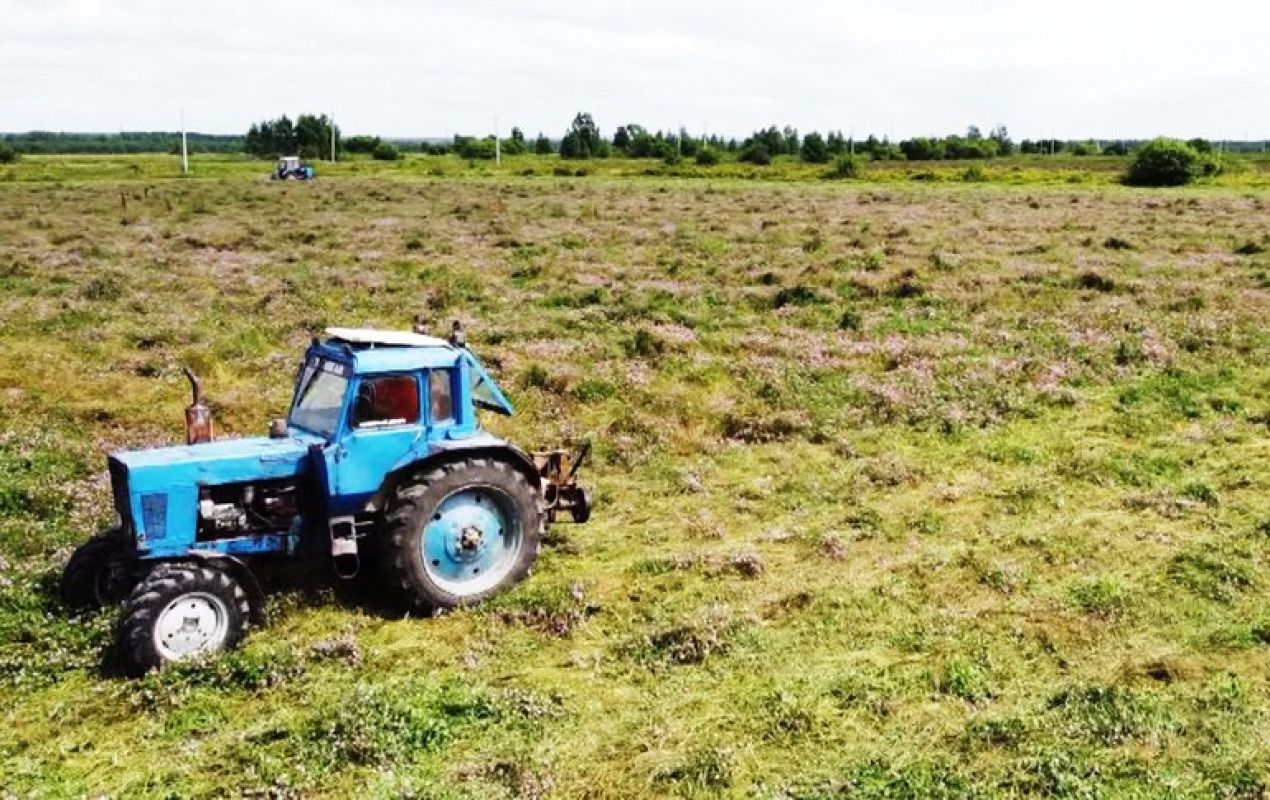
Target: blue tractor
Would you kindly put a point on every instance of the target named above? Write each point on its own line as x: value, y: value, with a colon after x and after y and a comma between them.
x: 290, y: 169
x: 381, y: 457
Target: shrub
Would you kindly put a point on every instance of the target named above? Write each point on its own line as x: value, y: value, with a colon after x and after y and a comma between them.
x: 1163, y: 162
x: 844, y: 167
x: 707, y: 157
x: 756, y: 154
x: 8, y: 155
x: 922, y: 149
x: 814, y: 149
x: 974, y: 174
x: 385, y: 152
x: 474, y: 149
x: 362, y: 144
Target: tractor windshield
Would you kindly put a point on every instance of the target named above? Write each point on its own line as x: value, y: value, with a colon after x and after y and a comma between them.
x: 320, y: 396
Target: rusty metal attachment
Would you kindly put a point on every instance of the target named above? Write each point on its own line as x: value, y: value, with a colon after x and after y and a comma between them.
x: 198, y: 417
x: 559, y: 471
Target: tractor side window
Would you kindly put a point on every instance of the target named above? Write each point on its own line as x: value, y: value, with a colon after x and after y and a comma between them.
x: 390, y: 400
x: 440, y: 395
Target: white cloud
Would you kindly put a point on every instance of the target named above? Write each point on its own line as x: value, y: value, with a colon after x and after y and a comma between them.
x: 906, y: 67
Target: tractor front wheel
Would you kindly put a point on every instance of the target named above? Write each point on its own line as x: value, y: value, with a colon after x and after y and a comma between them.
x: 181, y: 611
x: 460, y: 533
x: 98, y: 574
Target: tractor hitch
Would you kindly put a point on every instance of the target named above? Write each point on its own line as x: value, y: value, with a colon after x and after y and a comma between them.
x: 559, y: 471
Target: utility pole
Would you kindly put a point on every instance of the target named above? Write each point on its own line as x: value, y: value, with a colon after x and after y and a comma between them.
x: 185, y: 151
x: 498, y: 149
x: 332, y: 138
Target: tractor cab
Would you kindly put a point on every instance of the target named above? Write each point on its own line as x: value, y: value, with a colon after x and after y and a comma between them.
x: 385, y: 399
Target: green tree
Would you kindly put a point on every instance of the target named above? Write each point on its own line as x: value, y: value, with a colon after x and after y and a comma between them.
x: 313, y: 136
x: 283, y: 137
x: 792, y: 141
x: 514, y: 146
x: 361, y: 144
x: 542, y: 146
x: 583, y: 139
x: 386, y: 151
x: 814, y: 150
x: 755, y: 153
x: 922, y: 149
x: 474, y: 149
x: 707, y: 157
x: 1005, y: 146
x: 1163, y: 162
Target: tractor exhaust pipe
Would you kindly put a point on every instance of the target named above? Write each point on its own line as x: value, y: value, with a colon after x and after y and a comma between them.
x: 198, y: 417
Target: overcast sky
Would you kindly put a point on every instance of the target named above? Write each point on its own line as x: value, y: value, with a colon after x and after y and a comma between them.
x: 1109, y: 68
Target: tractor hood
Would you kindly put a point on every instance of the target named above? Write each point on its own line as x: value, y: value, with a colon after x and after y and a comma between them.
x: 156, y: 491
x: 226, y: 461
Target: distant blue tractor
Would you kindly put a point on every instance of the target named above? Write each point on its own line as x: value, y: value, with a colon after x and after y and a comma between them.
x: 290, y: 169
x: 381, y: 455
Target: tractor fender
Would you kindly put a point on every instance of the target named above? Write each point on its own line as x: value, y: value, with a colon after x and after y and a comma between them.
x: 459, y: 450
x: 239, y: 571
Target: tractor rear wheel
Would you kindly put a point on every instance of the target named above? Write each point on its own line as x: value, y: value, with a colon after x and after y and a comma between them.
x: 461, y: 532
x: 98, y: 574
x: 181, y: 611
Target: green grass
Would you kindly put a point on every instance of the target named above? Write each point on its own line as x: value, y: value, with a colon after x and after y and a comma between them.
x: 1240, y: 171
x: 904, y: 489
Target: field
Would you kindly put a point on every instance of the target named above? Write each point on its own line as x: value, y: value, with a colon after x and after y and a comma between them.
x: 907, y: 488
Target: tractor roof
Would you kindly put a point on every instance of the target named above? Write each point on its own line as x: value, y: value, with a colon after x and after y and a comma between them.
x: 391, y: 351
x: 372, y: 337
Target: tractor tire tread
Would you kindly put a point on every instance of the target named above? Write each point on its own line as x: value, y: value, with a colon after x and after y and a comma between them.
x: 78, y: 584
x: 404, y: 519
x: 165, y: 582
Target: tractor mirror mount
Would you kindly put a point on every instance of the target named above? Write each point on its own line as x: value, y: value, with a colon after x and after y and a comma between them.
x: 458, y: 337
x: 278, y: 428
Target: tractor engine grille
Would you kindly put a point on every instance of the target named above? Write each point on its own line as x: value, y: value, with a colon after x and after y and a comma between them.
x: 119, y: 488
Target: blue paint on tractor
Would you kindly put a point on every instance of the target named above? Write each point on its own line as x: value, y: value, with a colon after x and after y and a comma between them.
x: 360, y: 412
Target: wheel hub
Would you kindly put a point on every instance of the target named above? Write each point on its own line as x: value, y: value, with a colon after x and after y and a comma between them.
x: 471, y: 541
x: 470, y: 538
x: 191, y: 624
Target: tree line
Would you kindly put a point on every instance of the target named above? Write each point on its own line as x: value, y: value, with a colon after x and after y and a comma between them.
x: 51, y: 143
x: 308, y: 137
